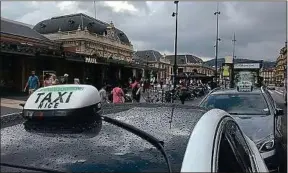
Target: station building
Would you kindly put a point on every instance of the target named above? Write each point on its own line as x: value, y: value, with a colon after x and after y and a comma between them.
x: 76, y: 44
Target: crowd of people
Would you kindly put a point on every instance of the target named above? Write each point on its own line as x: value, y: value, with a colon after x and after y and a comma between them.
x: 117, y: 93
x: 33, y: 82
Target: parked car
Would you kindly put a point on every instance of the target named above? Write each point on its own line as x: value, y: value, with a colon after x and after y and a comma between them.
x: 256, y: 113
x: 123, y: 138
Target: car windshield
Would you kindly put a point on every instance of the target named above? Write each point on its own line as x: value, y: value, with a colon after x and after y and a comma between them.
x: 238, y: 104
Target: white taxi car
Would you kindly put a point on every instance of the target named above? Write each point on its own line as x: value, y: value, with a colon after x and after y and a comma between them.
x: 126, y: 137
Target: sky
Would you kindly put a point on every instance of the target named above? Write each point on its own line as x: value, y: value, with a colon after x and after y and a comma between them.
x: 260, y: 27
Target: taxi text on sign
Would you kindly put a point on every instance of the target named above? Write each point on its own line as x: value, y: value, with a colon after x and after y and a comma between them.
x: 54, y: 97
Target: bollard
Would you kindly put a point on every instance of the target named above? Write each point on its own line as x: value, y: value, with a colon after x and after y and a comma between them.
x: 162, y: 95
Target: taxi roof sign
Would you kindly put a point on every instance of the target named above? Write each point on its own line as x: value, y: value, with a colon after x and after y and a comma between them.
x: 57, y: 97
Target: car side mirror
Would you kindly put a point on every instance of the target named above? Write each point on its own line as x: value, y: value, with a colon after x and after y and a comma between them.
x: 22, y: 105
x: 279, y: 112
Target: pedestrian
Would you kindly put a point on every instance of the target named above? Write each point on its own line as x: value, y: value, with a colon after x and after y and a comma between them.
x: 54, y: 80
x: 47, y: 80
x: 32, y: 83
x: 161, y: 83
x: 76, y: 81
x: 136, y: 88
x: 183, y: 93
x: 66, y: 78
x: 103, y: 94
x: 118, y: 94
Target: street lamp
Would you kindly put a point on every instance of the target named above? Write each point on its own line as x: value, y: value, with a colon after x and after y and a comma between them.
x: 217, y: 40
x: 175, y: 14
x: 147, y: 67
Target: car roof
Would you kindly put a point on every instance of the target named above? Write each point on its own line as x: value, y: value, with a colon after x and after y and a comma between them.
x: 113, y: 149
x: 234, y: 91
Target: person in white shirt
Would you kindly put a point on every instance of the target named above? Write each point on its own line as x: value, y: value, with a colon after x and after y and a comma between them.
x: 76, y: 81
x: 103, y: 95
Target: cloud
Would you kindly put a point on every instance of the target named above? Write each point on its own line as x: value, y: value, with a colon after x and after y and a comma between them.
x: 260, y: 27
x: 120, y: 6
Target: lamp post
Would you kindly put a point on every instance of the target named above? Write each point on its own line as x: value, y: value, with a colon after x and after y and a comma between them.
x: 147, y: 67
x: 232, y: 66
x: 175, y: 14
x: 217, y: 40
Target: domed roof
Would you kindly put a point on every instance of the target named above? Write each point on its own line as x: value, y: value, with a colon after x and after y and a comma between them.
x: 72, y: 22
x: 184, y: 59
x: 149, y: 55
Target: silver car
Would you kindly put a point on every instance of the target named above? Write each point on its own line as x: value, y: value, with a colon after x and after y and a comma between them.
x: 256, y: 113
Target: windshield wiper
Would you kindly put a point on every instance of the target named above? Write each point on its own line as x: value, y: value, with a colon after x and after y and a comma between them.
x: 151, y: 139
x: 31, y: 168
x: 234, y: 113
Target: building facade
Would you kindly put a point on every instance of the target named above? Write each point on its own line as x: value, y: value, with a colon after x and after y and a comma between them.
x: 189, y: 64
x: 281, y: 67
x: 24, y: 50
x: 107, y: 50
x: 268, y: 76
x: 155, y: 60
x: 77, y: 44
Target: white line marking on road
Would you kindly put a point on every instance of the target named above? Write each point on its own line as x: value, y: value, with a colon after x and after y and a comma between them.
x: 10, y: 114
x: 275, y: 91
x: 279, y: 92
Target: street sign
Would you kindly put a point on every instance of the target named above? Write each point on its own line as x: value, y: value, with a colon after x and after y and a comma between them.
x: 247, y: 66
x: 244, y: 86
x: 229, y: 60
x: 91, y: 60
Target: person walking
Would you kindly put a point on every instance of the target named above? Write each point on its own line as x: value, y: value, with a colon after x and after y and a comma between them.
x: 76, y: 81
x: 183, y: 93
x: 47, y: 80
x: 33, y: 83
x: 136, y: 91
x: 54, y: 80
x: 66, y: 78
x: 103, y: 94
x: 118, y: 95
x: 161, y: 83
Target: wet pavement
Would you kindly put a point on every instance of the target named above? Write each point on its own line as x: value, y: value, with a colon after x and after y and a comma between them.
x: 113, y: 149
x: 6, y: 110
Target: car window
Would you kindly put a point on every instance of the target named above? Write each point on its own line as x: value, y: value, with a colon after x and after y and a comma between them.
x: 238, y: 104
x: 273, y: 104
x: 227, y: 159
x: 238, y: 142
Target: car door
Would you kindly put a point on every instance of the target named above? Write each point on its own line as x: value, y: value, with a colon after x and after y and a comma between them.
x: 233, y: 154
x: 277, y: 119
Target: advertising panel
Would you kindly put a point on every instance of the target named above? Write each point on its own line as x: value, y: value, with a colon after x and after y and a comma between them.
x: 226, y: 71
x: 247, y: 66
